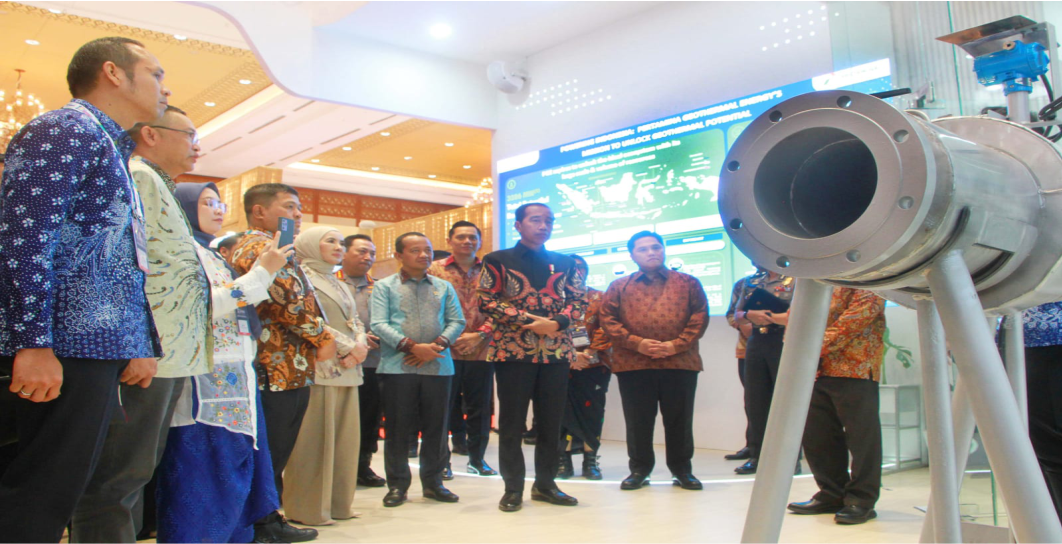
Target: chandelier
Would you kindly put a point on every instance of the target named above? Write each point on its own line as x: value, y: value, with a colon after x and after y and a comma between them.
x: 484, y: 193
x: 17, y: 111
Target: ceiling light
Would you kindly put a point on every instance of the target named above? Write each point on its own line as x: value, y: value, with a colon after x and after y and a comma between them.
x: 440, y: 31
x: 375, y: 168
x: 55, y: 11
x: 449, y: 144
x: 180, y: 37
x: 432, y: 176
x: 346, y: 148
x: 408, y: 158
x: 245, y: 82
x: 467, y: 166
x: 385, y: 134
x: 315, y: 160
x: 209, y: 104
x: 33, y: 42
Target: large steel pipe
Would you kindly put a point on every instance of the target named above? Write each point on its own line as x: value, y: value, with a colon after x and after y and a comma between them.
x: 842, y: 187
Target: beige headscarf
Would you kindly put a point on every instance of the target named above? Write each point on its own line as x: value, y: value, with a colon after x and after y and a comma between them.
x: 320, y: 274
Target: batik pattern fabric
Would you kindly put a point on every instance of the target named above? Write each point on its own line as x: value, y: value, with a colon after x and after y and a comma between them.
x: 292, y: 328
x: 176, y: 286
x: 226, y: 394
x: 408, y: 311
x: 466, y: 284
x: 214, y: 484
x: 672, y: 308
x: 69, y: 278
x: 737, y: 297
x: 520, y: 281
x: 600, y: 344
x: 854, y: 343
x: 1043, y: 325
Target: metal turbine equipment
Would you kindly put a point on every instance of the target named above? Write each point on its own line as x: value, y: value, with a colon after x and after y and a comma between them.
x: 957, y: 217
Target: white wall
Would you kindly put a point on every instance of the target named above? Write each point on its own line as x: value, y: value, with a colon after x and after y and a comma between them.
x: 672, y: 58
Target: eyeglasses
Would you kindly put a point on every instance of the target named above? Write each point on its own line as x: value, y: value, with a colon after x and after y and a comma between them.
x: 191, y: 133
x: 216, y: 204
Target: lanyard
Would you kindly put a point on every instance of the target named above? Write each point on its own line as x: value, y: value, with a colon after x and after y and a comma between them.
x: 134, y: 195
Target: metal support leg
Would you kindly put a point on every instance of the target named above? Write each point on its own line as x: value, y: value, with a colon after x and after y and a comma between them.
x: 1007, y: 444
x: 936, y: 392
x: 964, y: 427
x: 1014, y: 360
x: 789, y: 411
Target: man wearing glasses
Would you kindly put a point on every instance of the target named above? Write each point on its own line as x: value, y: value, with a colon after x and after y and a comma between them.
x: 178, y: 292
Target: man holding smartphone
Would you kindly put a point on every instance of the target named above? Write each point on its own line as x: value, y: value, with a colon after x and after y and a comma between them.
x: 293, y: 337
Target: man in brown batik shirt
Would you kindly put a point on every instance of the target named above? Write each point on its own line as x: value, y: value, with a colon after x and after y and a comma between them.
x: 655, y: 318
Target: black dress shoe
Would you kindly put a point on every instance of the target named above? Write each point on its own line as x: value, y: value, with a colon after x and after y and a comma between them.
x: 553, y: 496
x: 481, y: 468
x: 854, y: 515
x: 368, y: 478
x: 636, y: 480
x: 459, y: 448
x: 440, y: 494
x: 448, y: 473
x: 748, y: 468
x: 815, y: 506
x: 394, y: 497
x: 740, y: 455
x: 511, y: 502
x: 687, y: 481
x: 279, y: 530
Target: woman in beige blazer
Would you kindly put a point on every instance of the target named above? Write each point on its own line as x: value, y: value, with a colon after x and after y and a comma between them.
x: 322, y: 473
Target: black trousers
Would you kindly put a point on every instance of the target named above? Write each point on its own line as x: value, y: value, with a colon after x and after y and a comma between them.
x: 59, y: 446
x: 674, y: 391
x: 409, y: 398
x: 1043, y: 367
x: 748, y: 423
x: 762, y: 356
x: 472, y: 393
x: 283, y: 412
x: 370, y: 402
x: 842, y: 419
x: 518, y: 385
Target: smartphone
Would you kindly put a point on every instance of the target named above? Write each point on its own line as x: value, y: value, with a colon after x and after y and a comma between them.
x: 287, y: 231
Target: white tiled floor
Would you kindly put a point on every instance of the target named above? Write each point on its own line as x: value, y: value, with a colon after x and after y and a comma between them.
x: 660, y: 513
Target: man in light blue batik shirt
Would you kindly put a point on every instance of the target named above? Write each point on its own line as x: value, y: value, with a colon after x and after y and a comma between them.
x: 417, y: 318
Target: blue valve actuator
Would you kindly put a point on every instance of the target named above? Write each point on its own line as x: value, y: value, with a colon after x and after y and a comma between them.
x: 1012, y: 67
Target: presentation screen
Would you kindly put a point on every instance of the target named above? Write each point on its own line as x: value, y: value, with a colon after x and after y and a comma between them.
x: 662, y: 176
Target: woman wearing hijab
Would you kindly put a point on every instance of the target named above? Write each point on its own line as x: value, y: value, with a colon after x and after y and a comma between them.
x: 216, y: 478
x: 322, y: 473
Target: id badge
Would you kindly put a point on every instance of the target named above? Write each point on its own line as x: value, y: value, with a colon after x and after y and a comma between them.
x: 140, y: 241
x: 580, y: 338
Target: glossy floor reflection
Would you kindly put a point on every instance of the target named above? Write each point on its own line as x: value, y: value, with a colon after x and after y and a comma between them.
x: 659, y: 513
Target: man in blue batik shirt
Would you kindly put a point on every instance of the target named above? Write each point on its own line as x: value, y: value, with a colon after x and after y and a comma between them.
x: 74, y: 319
x: 1043, y: 367
x: 417, y: 318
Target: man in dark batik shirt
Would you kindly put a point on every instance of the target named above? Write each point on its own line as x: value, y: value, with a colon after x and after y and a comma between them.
x: 532, y: 296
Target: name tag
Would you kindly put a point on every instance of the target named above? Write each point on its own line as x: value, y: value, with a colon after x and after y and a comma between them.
x: 580, y: 338
x: 244, y: 326
x: 140, y: 241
